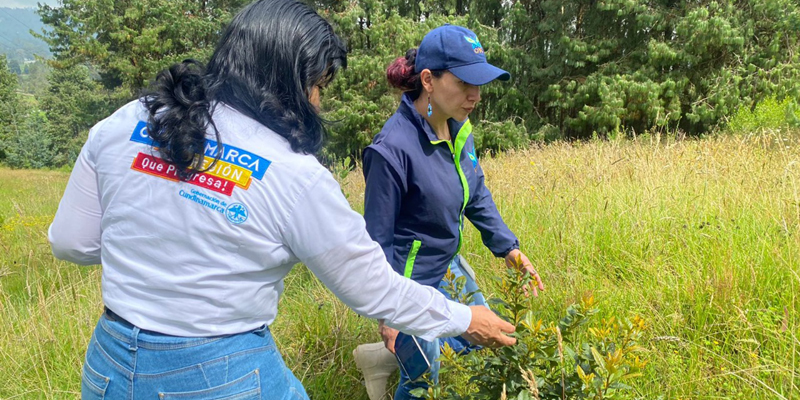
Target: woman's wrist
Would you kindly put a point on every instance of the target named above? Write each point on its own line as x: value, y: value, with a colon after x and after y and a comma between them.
x: 513, y: 256
x: 511, y: 250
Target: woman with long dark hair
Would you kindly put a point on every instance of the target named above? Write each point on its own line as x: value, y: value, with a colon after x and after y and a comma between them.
x: 199, y: 198
x: 422, y: 178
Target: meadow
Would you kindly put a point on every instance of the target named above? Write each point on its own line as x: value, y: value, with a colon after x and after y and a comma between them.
x: 701, y: 238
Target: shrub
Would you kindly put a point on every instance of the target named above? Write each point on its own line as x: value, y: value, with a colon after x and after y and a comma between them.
x: 576, y: 358
x: 767, y: 114
x: 499, y: 136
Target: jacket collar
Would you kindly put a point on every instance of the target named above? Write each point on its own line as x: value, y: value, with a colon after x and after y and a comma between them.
x: 409, y: 111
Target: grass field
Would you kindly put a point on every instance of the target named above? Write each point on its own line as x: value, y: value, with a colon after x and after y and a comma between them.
x: 699, y: 237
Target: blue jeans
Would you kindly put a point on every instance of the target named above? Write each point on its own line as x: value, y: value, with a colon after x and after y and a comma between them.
x: 124, y: 362
x: 432, y: 349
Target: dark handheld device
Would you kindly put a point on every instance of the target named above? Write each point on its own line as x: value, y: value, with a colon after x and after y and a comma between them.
x: 410, y: 355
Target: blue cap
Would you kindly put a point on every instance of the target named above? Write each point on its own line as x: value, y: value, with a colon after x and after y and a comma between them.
x: 457, y: 49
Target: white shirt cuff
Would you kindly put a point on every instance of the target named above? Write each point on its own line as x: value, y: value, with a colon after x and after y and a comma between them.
x: 462, y: 317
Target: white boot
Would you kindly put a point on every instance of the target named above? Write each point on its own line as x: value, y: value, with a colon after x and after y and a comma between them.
x: 377, y: 364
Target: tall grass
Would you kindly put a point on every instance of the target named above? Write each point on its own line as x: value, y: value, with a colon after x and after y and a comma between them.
x: 699, y: 237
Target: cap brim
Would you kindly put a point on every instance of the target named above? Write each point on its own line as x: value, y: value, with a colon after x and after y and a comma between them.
x: 479, y: 73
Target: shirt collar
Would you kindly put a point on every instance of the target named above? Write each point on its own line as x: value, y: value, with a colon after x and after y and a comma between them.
x: 408, y: 109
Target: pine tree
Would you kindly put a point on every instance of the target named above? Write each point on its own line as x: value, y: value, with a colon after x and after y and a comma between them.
x: 130, y: 41
x: 9, y: 106
x: 73, y: 103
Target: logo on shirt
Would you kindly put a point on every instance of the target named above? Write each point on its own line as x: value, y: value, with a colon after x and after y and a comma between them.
x: 225, y: 168
x: 155, y: 166
x: 234, y: 167
x: 236, y: 213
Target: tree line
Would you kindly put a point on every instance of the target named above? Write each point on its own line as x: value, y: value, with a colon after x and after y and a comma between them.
x: 580, y: 68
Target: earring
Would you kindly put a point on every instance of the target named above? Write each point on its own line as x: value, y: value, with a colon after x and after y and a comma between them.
x: 430, y: 109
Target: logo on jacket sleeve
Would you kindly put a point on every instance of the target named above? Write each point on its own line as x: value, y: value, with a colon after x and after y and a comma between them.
x: 472, y: 158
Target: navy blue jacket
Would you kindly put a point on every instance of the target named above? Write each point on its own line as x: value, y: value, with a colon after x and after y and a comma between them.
x: 417, y: 196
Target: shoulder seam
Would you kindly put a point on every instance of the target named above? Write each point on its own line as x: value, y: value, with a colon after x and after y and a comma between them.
x: 388, y: 157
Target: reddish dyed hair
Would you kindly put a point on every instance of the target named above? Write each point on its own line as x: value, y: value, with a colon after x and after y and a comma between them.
x: 401, y: 74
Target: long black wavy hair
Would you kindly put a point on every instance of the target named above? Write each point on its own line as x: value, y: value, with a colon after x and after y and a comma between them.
x: 270, y: 57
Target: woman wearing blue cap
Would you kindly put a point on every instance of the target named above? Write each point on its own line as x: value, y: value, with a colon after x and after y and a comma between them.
x: 423, y: 177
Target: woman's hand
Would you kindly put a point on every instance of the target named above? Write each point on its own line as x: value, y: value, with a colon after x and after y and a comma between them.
x: 487, y: 329
x: 388, y: 334
x: 516, y: 259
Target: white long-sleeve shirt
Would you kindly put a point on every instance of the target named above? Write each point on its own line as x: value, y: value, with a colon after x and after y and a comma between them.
x: 208, y: 256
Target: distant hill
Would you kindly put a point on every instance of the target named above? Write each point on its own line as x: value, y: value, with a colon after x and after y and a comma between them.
x: 16, y: 42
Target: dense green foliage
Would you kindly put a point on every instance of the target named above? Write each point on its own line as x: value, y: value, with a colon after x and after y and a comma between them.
x: 768, y: 114
x: 9, y: 107
x: 49, y: 131
x: 130, y: 41
x: 579, y: 68
x: 72, y: 102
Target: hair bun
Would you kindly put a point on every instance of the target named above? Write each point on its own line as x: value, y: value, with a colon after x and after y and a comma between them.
x: 411, y: 57
x: 400, y: 73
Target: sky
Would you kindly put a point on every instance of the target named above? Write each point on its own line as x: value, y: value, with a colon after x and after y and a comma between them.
x: 25, y: 3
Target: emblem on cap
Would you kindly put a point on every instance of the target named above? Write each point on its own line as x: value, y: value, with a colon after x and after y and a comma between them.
x: 476, y: 45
